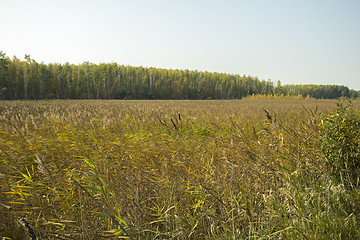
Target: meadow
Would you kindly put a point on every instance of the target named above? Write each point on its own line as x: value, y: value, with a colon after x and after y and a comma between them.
x: 162, y: 169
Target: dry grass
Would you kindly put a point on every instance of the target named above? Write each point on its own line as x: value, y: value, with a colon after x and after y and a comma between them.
x: 170, y: 170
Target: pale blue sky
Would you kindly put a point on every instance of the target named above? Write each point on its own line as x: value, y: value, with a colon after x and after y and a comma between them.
x: 297, y: 42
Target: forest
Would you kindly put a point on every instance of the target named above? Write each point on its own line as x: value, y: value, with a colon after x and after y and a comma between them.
x: 29, y: 79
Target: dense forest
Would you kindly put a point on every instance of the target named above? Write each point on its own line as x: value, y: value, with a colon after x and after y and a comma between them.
x: 29, y: 79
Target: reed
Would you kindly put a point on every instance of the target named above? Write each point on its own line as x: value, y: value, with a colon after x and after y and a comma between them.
x: 252, y: 169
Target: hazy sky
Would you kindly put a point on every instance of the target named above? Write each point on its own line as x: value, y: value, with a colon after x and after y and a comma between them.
x: 297, y: 42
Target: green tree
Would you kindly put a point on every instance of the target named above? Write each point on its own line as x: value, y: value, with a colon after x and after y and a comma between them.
x: 4, y: 76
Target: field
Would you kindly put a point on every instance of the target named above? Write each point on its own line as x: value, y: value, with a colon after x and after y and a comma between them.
x: 224, y: 169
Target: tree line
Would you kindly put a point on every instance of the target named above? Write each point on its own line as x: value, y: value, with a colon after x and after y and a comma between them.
x: 29, y: 79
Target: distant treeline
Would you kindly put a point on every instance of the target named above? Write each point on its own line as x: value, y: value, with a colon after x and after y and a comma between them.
x: 32, y: 80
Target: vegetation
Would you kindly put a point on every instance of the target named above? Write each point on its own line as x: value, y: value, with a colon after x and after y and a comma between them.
x: 32, y: 80
x: 230, y: 169
x: 340, y: 144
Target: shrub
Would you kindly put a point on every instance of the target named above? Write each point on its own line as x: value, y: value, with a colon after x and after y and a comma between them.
x: 339, y: 141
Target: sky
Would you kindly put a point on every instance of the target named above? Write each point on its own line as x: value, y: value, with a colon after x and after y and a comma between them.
x: 294, y: 41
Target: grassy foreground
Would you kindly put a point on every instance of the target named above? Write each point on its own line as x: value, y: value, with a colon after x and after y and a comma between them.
x: 241, y: 169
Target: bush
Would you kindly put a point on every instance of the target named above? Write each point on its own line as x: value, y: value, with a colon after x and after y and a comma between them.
x: 339, y: 141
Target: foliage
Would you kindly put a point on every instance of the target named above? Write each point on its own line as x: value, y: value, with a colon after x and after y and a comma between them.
x: 340, y: 141
x: 170, y: 170
x: 32, y: 80
x: 319, y: 91
x: 276, y: 97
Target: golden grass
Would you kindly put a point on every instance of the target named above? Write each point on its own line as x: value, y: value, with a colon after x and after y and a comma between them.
x: 221, y: 169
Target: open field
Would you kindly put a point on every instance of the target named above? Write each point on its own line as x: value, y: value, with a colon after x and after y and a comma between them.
x: 223, y: 169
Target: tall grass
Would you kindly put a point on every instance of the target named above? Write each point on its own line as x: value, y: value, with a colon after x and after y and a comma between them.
x: 249, y: 169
